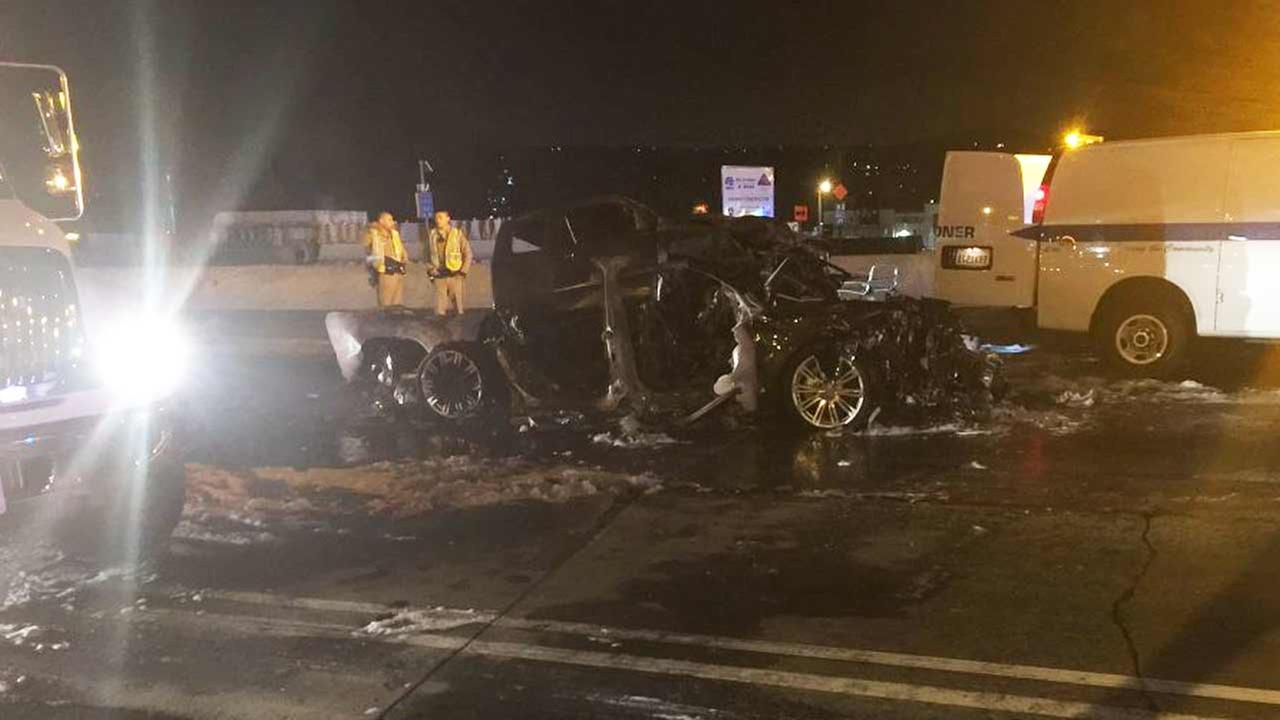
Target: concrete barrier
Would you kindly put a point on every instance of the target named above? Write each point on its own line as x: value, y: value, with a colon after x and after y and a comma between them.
x: 345, y: 286
x: 337, y: 286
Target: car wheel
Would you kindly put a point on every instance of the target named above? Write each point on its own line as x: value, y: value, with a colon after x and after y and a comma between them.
x: 1142, y: 338
x: 827, y: 388
x: 458, y: 382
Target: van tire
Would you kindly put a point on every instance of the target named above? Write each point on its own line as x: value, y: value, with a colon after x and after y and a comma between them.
x: 1146, y: 337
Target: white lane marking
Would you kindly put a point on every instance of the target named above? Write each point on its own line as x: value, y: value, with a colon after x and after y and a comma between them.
x: 848, y: 686
x: 282, y: 627
x: 902, y: 692
x: 920, y: 662
x: 304, y: 603
x: 817, y: 652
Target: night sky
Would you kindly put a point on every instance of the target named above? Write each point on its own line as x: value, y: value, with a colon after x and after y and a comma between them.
x: 328, y: 104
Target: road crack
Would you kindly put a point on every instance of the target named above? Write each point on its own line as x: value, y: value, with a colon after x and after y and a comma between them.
x: 1117, y: 612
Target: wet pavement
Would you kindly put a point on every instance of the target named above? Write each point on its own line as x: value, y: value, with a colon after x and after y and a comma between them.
x: 1098, y: 548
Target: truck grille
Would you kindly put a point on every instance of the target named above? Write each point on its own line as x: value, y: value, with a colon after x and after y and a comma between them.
x: 41, y: 341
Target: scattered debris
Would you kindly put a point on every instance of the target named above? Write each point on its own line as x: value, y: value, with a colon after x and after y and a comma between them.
x: 951, y: 428
x: 36, y: 573
x: 604, y: 641
x: 907, y: 497
x: 1053, y: 422
x: 634, y: 441
x: 925, y: 584
x: 1072, y: 398
x: 1014, y: 349
x: 975, y: 465
x: 413, y: 622
x: 211, y: 528
x: 18, y: 633
x: 239, y: 505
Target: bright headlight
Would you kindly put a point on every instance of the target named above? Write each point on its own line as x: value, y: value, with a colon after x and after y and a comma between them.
x: 144, y: 358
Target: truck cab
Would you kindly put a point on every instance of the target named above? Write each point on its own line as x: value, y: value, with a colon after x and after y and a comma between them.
x: 84, y: 428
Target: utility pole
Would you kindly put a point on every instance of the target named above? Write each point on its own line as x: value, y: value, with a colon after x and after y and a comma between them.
x: 423, y: 201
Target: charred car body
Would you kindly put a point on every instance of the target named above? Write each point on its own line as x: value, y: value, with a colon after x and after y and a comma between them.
x: 605, y: 306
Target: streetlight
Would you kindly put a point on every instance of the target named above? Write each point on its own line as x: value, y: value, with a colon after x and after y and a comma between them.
x: 824, y: 187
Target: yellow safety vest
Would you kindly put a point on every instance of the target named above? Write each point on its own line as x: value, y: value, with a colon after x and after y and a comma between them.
x: 452, y: 249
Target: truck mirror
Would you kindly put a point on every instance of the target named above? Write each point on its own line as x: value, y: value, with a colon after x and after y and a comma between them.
x: 38, y: 146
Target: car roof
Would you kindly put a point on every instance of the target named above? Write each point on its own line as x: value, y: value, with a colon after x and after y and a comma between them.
x: 586, y: 202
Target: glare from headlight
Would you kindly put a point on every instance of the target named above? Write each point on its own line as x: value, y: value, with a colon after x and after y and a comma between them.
x: 144, y: 359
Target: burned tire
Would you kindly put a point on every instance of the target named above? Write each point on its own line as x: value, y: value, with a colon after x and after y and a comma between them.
x: 459, y: 382
x: 828, y: 387
x: 1146, y: 337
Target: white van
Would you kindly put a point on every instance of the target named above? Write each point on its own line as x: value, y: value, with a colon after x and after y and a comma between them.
x: 1145, y: 244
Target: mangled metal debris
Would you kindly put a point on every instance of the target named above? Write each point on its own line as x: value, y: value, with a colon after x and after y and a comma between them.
x: 603, y: 308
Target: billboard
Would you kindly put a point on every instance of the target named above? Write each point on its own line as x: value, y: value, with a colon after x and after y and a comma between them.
x: 747, y: 190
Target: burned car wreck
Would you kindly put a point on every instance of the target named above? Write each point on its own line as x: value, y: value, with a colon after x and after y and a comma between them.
x: 603, y: 306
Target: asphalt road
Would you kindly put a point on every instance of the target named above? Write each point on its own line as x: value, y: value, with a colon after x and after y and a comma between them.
x: 1100, y: 548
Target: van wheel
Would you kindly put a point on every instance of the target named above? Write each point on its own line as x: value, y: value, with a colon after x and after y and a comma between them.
x: 1145, y: 338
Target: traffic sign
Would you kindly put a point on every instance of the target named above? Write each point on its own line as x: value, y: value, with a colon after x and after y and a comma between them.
x: 801, y: 213
x: 840, y: 191
x: 425, y: 203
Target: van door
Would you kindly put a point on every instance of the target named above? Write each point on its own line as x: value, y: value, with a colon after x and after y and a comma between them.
x: 977, y: 261
x: 1249, y: 270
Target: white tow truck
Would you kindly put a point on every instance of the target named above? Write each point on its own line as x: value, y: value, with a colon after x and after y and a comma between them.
x: 86, y: 441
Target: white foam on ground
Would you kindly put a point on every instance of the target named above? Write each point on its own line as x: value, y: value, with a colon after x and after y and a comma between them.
x: 952, y: 428
x: 634, y: 441
x: 1077, y: 391
x: 190, y: 529
x: 35, y: 573
x: 412, y: 622
x: 1052, y: 421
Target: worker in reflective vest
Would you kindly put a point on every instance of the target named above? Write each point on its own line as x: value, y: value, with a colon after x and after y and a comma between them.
x: 448, y: 262
x: 386, y: 259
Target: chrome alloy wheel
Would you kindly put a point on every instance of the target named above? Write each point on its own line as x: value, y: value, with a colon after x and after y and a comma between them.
x: 451, y: 384
x: 828, y: 398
